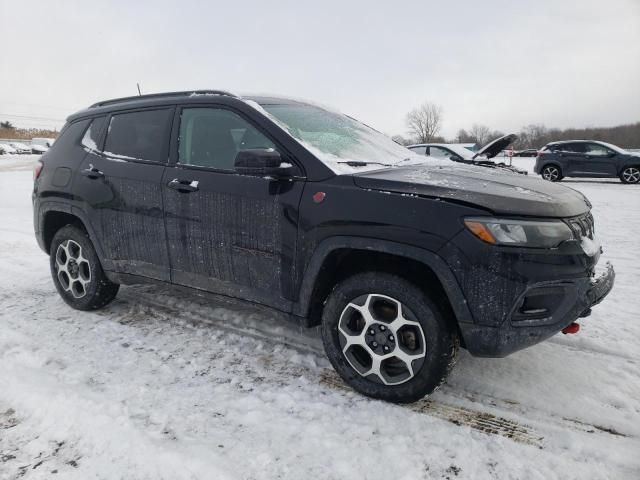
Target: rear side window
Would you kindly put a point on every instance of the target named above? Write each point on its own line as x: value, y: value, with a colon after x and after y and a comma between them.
x: 91, y: 137
x: 70, y: 136
x: 139, y: 135
x: 419, y: 150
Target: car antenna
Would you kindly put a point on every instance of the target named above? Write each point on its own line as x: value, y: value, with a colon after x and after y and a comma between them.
x: 139, y: 92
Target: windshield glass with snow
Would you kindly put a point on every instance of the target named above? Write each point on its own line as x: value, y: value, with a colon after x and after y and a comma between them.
x: 336, y: 139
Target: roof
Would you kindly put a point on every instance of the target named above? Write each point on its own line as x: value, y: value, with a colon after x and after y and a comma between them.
x: 105, y: 106
x: 164, y: 95
x: 557, y: 142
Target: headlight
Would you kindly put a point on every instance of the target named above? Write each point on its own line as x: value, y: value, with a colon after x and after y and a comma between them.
x: 519, y: 233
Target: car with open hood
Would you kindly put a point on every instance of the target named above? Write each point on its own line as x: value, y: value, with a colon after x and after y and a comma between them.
x: 399, y: 258
x: 482, y: 157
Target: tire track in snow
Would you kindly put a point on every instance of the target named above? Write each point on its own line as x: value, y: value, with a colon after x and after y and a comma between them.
x: 198, y: 309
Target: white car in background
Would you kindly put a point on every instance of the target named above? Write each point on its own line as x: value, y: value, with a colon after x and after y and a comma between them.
x: 38, y: 149
x: 43, y: 142
x: 459, y: 153
x: 20, y: 148
x: 5, y: 148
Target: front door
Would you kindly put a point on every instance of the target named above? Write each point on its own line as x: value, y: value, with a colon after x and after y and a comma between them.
x: 121, y: 185
x: 599, y: 161
x: 228, y: 233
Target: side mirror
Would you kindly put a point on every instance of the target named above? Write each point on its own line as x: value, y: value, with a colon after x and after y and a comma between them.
x: 262, y: 162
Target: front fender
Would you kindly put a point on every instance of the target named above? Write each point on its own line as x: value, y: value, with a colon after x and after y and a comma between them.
x: 428, y: 258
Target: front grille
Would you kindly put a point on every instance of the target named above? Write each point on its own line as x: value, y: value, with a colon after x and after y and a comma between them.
x: 583, y: 226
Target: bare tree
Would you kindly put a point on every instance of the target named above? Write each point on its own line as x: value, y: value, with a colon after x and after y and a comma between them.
x: 425, y: 121
x: 481, y: 133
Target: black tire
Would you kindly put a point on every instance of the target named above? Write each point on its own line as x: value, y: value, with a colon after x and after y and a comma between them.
x: 439, y: 335
x: 86, y: 286
x: 630, y: 174
x: 552, y: 173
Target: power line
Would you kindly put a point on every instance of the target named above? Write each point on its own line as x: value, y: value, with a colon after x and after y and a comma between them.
x: 29, y: 117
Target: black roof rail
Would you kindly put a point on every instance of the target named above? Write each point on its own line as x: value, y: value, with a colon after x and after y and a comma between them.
x: 160, y: 95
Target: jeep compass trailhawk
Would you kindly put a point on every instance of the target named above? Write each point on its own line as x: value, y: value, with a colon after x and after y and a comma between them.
x: 400, y: 258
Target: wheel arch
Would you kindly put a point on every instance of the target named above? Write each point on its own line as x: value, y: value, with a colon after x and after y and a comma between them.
x: 552, y: 163
x: 54, y: 216
x: 337, y: 258
x: 628, y: 164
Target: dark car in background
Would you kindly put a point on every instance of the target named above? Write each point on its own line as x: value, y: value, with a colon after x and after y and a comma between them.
x: 587, y: 158
x: 282, y: 203
x: 458, y: 153
x: 527, y: 152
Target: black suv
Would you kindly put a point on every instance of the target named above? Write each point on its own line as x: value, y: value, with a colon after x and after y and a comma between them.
x: 399, y: 258
x: 586, y: 158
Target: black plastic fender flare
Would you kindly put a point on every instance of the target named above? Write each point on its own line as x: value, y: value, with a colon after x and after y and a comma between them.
x: 431, y: 260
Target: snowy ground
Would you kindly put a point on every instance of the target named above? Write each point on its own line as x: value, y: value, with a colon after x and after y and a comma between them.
x: 167, y: 385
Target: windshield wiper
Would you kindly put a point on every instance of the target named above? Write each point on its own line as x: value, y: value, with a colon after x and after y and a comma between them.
x: 360, y: 163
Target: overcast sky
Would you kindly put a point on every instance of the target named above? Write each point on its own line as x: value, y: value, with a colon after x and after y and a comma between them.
x: 501, y: 63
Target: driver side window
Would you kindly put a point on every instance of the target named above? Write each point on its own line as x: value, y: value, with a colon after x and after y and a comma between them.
x: 440, y: 152
x: 596, y: 150
x: 212, y: 137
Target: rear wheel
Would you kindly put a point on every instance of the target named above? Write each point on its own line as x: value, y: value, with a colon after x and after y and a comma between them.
x: 76, y: 270
x: 630, y: 175
x: 386, y: 337
x: 551, y: 173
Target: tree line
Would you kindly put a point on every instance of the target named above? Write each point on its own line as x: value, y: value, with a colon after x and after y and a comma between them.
x: 424, y: 124
x: 7, y: 130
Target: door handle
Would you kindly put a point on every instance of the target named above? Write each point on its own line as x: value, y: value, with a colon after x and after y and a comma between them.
x: 92, y: 172
x: 184, y: 186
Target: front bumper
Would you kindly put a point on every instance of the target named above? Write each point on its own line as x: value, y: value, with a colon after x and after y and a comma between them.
x: 568, y: 300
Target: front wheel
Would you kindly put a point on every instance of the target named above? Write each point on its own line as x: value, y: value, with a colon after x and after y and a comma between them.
x: 630, y: 175
x: 76, y: 270
x: 387, y: 338
x: 551, y: 173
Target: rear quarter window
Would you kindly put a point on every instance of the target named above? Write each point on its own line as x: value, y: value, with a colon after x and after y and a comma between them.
x: 69, y: 136
x: 91, y: 138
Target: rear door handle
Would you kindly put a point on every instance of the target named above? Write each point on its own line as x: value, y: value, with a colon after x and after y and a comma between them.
x: 184, y: 186
x: 92, y: 172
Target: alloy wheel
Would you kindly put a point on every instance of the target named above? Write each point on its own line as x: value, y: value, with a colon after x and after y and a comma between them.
x: 381, y: 339
x: 550, y: 173
x: 631, y: 175
x: 73, y: 269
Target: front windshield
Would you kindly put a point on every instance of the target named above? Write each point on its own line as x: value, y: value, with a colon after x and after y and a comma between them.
x: 336, y: 138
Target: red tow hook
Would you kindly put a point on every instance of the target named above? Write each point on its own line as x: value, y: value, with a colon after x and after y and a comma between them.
x: 571, y: 328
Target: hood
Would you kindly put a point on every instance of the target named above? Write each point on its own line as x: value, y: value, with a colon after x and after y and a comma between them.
x: 500, y: 192
x: 492, y: 149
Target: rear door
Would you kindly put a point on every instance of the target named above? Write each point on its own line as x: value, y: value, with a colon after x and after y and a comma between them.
x: 120, y: 183
x: 571, y: 157
x: 228, y: 233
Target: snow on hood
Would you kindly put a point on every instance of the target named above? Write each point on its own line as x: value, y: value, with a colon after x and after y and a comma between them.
x: 486, y: 188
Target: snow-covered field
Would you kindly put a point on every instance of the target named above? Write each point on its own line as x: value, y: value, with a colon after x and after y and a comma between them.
x: 168, y: 385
